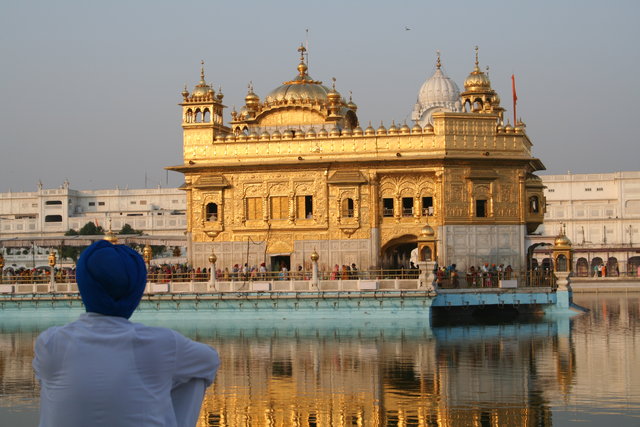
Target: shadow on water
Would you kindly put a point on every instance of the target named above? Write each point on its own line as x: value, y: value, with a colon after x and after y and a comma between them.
x: 488, y: 315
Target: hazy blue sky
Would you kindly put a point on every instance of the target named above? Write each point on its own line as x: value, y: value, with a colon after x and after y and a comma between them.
x: 89, y: 90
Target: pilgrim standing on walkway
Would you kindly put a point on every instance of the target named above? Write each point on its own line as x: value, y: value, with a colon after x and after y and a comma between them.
x: 103, y: 370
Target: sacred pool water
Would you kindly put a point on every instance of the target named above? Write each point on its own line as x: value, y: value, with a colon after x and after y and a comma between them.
x: 535, y: 372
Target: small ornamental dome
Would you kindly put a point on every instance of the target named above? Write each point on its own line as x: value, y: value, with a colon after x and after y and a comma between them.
x: 369, y: 131
x: 333, y: 95
x: 427, y: 232
x: 251, y: 100
x: 311, y: 133
x: 347, y: 132
x: 429, y: 128
x: 323, y: 133
x: 416, y: 129
x: 287, y: 134
x: 314, y: 256
x: 381, y: 130
x: 335, y: 132
x: 393, y: 130
x: 202, y: 88
x: 477, y: 81
x: 185, y: 92
x: 508, y: 128
x: 351, y: 105
x: 264, y: 136
x: 276, y: 134
x: 253, y: 136
x: 562, y: 241
x: 404, y: 130
x: 357, y: 131
x: 500, y: 128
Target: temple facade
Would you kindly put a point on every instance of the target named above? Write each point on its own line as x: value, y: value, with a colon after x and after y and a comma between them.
x: 295, y: 172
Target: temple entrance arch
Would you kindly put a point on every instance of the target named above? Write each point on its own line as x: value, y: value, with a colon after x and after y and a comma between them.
x: 396, y: 253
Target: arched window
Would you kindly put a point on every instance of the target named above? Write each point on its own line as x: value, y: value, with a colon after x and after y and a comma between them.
x: 612, y: 267
x: 207, y: 116
x: 582, y: 267
x: 198, y: 116
x: 212, y: 212
x: 426, y: 254
x: 189, y: 116
x: 347, y: 208
x: 534, y: 205
x: 561, y: 263
x: 596, y: 266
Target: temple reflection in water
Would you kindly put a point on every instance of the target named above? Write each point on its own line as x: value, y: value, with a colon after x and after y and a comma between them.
x: 413, y: 377
x: 404, y: 374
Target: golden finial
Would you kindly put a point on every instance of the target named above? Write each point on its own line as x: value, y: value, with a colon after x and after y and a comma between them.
x: 202, y: 69
x: 350, y: 95
x: 302, y: 50
x: 477, y: 69
x: 250, y: 86
x: 334, y: 83
x: 438, y: 64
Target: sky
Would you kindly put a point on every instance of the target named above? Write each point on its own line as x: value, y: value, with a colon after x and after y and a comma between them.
x: 89, y: 90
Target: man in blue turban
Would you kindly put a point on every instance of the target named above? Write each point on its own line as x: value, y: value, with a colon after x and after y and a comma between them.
x: 103, y: 370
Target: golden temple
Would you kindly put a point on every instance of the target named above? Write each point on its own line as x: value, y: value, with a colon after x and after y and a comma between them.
x: 295, y: 172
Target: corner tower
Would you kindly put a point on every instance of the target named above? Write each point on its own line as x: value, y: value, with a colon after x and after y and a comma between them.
x: 202, y: 118
x: 478, y: 96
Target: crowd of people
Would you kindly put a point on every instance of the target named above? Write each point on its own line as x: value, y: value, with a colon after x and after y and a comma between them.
x: 38, y: 275
x: 481, y: 276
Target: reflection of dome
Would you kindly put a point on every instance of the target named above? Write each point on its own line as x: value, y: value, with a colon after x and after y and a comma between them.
x: 438, y: 93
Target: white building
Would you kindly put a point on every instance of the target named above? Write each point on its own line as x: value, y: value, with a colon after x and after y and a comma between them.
x: 601, y: 213
x: 53, y: 212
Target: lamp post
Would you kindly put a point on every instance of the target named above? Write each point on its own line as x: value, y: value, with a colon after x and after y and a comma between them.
x: 212, y: 270
x: 52, y: 264
x: 314, y: 275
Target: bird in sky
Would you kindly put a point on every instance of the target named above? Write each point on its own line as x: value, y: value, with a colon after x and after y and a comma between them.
x: 407, y: 29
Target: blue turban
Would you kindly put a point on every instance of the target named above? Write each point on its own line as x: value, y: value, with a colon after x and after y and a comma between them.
x: 111, y: 279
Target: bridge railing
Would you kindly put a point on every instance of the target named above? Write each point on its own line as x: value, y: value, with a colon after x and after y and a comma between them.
x: 380, y: 279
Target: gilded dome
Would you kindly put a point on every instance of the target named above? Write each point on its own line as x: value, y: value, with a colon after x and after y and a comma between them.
x: 438, y: 93
x: 477, y: 81
x: 427, y: 232
x: 302, y: 88
x: 562, y: 240
x: 202, y: 88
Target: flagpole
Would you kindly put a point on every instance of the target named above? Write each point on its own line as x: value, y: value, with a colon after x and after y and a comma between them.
x: 515, y: 97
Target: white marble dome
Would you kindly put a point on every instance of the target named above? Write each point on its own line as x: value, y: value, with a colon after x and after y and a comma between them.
x: 438, y: 93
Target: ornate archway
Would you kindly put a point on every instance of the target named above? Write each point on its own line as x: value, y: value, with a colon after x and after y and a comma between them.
x: 396, y: 253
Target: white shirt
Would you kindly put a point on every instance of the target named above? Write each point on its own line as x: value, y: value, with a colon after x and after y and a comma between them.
x: 107, y: 371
